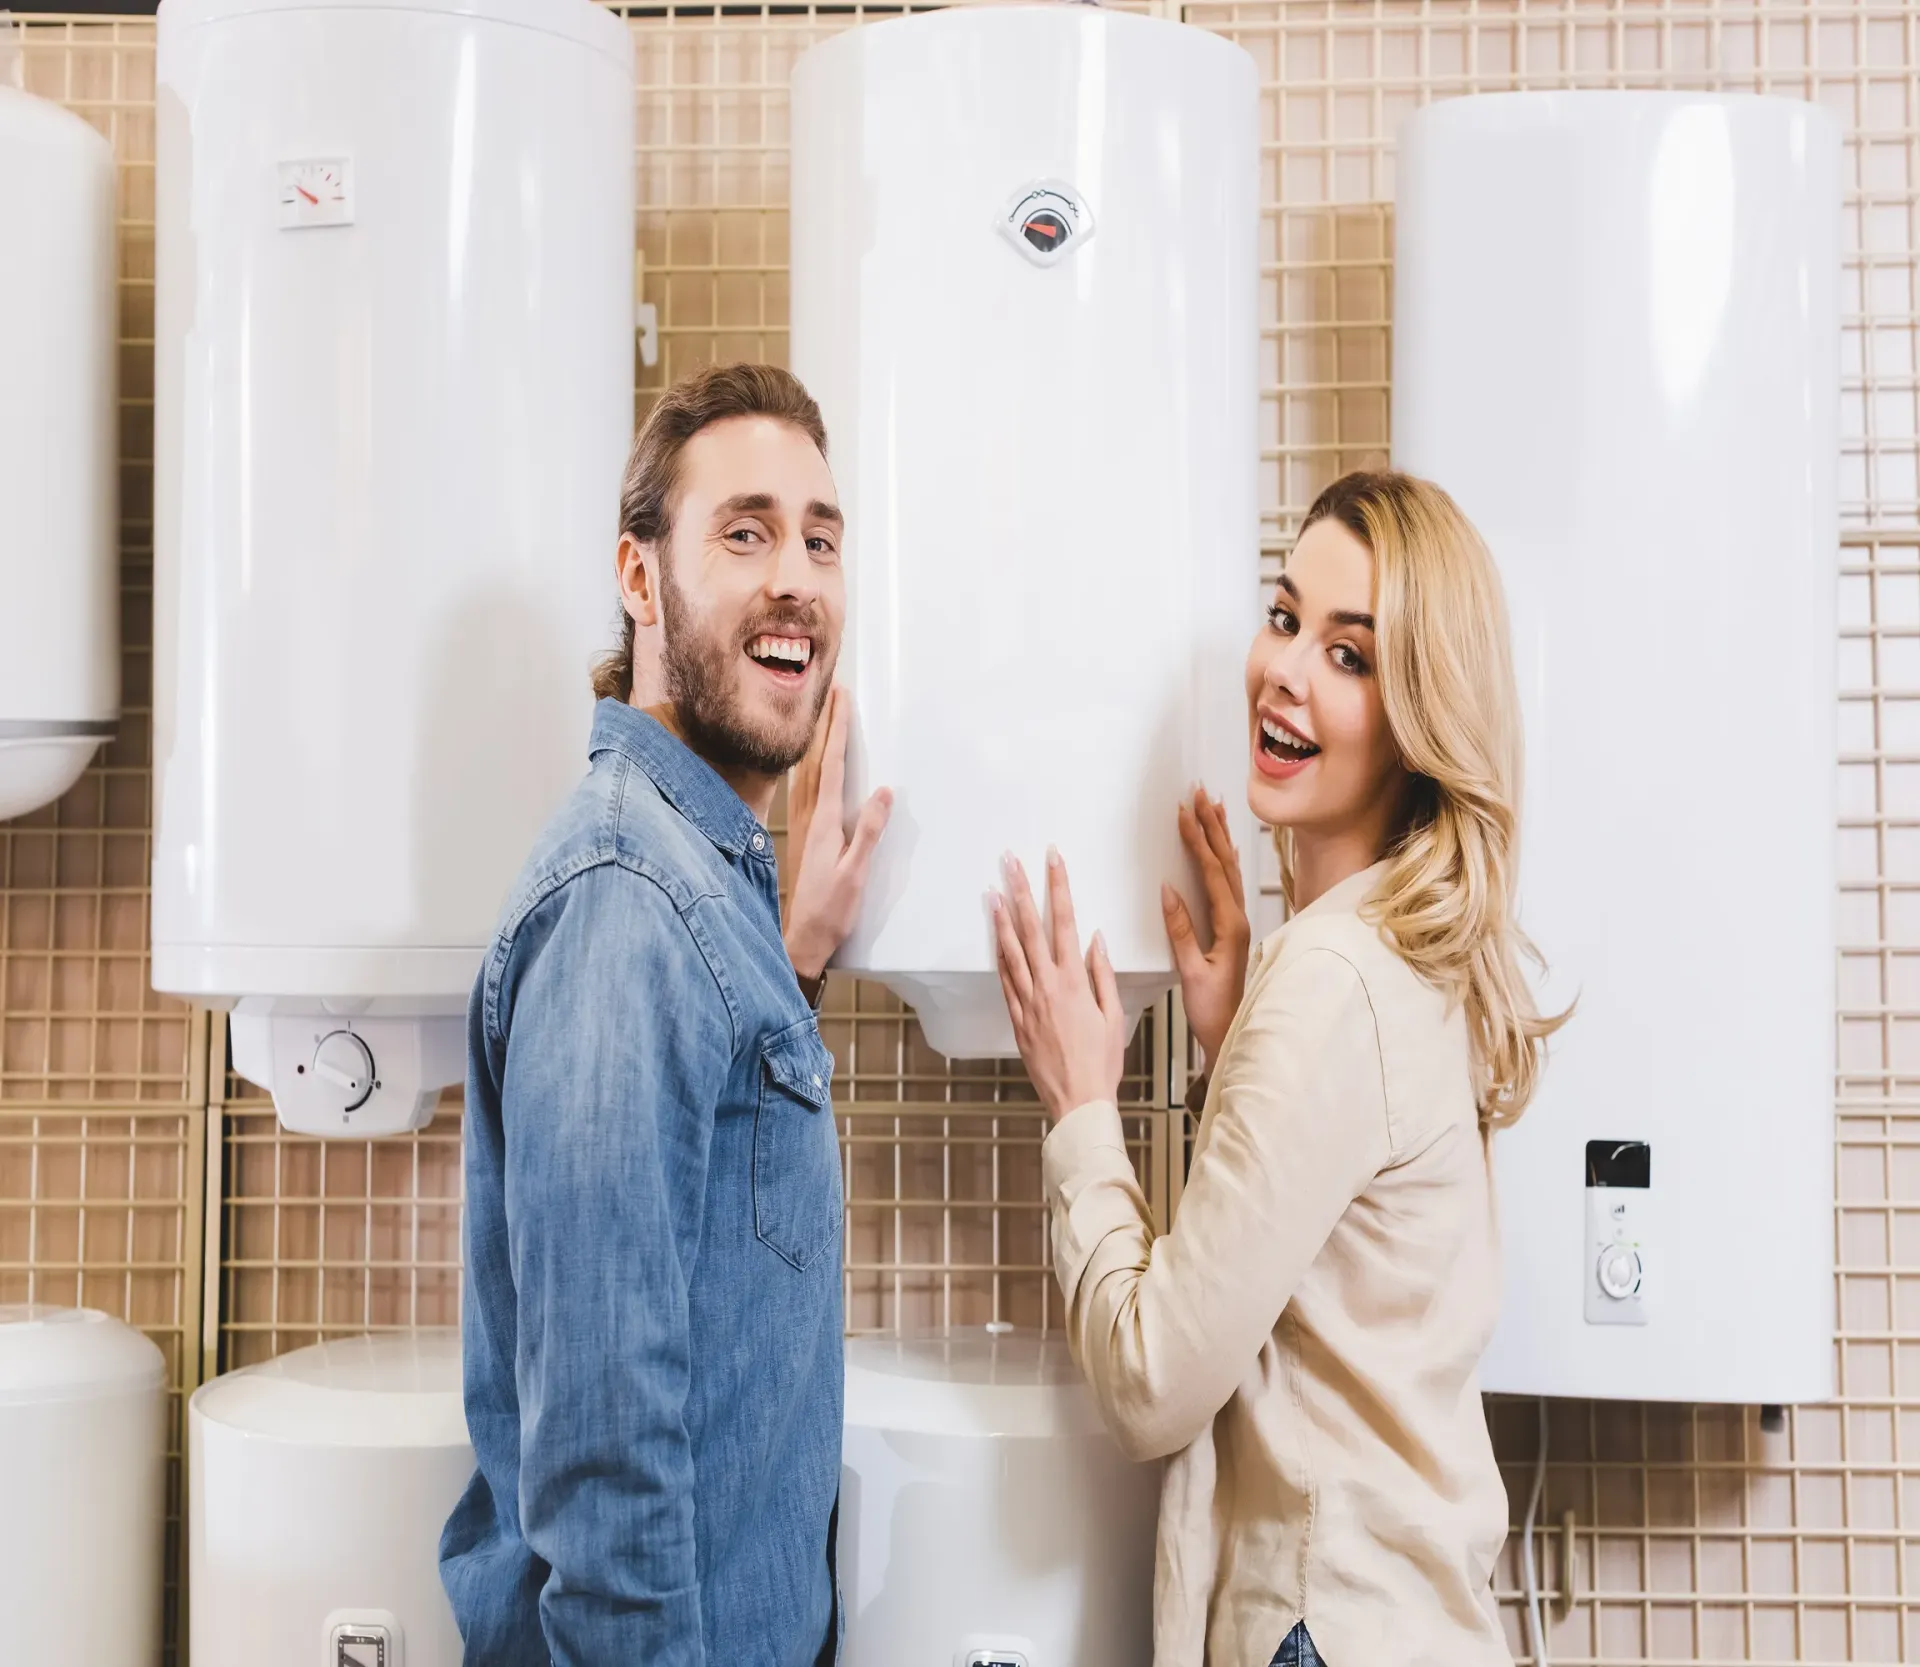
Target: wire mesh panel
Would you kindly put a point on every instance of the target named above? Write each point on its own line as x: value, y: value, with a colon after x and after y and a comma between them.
x: 330, y: 1238
x: 947, y: 1218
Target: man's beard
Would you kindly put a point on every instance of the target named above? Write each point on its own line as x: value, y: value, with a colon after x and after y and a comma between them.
x: 698, y: 670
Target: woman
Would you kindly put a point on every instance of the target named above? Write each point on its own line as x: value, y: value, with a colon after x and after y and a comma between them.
x: 1305, y: 1341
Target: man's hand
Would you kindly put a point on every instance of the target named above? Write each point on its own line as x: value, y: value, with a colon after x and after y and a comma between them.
x: 830, y: 870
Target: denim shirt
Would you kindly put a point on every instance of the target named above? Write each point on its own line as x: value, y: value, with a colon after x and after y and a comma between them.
x: 652, y: 1325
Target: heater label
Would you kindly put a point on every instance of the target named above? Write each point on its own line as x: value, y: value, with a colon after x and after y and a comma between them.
x: 1045, y: 220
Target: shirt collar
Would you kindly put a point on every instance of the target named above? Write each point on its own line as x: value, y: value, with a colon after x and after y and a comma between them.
x: 1347, y: 897
x: 685, y: 780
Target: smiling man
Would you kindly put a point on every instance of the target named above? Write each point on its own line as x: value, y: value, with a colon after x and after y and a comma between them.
x: 653, y: 1321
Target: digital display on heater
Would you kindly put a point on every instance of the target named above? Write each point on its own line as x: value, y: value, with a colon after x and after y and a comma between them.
x: 1619, y: 1163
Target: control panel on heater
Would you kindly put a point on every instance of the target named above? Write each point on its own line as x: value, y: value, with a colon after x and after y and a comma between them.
x: 981, y: 1652
x: 1619, y: 1212
x: 363, y: 1638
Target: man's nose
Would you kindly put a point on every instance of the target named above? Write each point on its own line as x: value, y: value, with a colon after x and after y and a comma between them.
x: 793, y: 572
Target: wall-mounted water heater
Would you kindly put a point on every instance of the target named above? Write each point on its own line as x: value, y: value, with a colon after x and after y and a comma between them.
x: 1023, y: 293
x: 393, y: 398
x: 59, y: 563
x: 1616, y: 343
x: 987, y: 1519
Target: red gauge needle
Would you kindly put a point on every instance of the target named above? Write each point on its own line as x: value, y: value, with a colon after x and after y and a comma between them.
x: 308, y: 195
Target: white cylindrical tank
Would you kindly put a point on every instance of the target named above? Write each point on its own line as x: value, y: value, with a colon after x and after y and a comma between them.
x: 59, y: 566
x: 1616, y: 343
x: 987, y: 1519
x: 83, y: 1488
x: 319, y: 1483
x: 1023, y: 293
x: 394, y: 393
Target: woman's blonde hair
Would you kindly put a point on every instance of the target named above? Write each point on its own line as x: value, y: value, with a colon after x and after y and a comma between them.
x: 1446, y: 680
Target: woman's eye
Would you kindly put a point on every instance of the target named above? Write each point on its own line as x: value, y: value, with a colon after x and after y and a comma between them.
x: 1348, y: 659
x: 1282, y: 620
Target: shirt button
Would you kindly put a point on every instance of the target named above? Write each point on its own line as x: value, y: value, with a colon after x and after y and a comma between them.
x: 759, y: 842
x: 816, y: 1082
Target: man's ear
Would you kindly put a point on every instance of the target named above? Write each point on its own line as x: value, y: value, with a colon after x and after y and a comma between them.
x: 634, y: 564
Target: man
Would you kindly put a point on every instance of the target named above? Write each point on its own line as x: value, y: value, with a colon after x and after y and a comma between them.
x: 653, y: 1315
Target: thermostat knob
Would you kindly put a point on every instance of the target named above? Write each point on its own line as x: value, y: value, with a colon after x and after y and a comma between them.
x: 345, y: 1064
x: 1619, y: 1270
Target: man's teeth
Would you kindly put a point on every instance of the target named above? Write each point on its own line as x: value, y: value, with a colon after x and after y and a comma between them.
x: 795, y: 653
x: 1282, y: 740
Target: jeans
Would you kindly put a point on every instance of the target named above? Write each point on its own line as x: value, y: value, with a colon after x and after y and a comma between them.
x: 1297, y: 1650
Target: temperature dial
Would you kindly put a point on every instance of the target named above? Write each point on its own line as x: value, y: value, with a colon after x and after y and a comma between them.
x: 345, y: 1064
x: 1619, y: 1272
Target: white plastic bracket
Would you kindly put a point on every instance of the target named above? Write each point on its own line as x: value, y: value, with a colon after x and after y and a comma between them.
x: 405, y: 1062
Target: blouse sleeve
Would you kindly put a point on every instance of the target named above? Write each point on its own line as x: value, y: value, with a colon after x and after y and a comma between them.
x: 1166, y: 1327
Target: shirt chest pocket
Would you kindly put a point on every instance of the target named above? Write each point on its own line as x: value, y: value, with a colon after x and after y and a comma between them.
x: 796, y: 1153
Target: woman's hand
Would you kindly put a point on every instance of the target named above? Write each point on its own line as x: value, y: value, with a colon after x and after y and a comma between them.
x: 830, y: 870
x: 1066, y: 1013
x: 1212, y: 981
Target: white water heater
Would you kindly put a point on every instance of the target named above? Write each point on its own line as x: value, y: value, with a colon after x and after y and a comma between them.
x: 319, y: 1483
x: 394, y: 392
x: 987, y: 1519
x: 1024, y: 268
x: 1616, y: 342
x: 83, y: 1489
x: 59, y: 560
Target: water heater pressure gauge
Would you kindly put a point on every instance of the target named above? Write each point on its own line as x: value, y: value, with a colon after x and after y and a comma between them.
x: 316, y: 193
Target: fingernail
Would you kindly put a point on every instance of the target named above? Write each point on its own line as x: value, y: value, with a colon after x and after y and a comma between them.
x: 1053, y: 856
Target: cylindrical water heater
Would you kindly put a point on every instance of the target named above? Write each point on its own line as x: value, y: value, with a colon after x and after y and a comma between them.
x: 987, y: 1519
x: 1616, y: 343
x: 319, y: 1483
x: 83, y: 1489
x: 394, y: 392
x: 59, y: 566
x: 1023, y: 293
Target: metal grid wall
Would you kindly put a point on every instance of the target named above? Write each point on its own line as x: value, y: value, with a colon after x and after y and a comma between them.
x: 1697, y: 1537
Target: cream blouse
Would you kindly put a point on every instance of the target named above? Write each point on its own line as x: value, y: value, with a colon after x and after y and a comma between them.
x: 1306, y: 1339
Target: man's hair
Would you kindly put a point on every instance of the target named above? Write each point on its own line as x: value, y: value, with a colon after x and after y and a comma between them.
x: 652, y: 480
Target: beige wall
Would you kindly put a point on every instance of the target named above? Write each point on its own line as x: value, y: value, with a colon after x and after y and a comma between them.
x: 135, y: 1175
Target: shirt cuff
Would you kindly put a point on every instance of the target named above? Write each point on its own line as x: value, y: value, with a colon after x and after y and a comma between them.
x: 1088, y: 1137
x: 1093, y: 1194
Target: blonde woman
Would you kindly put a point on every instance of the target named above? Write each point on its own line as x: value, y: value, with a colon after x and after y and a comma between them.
x: 1305, y: 1342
